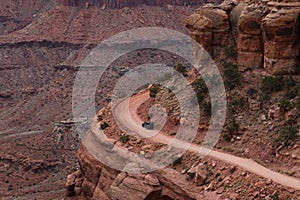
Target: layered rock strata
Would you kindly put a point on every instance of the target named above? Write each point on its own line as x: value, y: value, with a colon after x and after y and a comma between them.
x: 267, y: 33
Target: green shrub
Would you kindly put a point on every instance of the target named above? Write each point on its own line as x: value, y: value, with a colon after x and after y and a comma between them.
x: 104, y: 125
x: 10, y: 187
x: 285, y: 105
x: 275, y: 196
x: 207, y: 108
x: 227, y: 137
x: 251, y: 92
x: 100, y: 117
x: 289, y: 82
x: 232, y: 128
x: 291, y: 94
x: 153, y: 91
x: 272, y: 84
x: 200, y: 88
x: 237, y: 104
x: 297, y: 104
x: 124, y: 138
x: 176, y: 160
x: 232, y: 76
x: 287, y: 135
x: 230, y: 52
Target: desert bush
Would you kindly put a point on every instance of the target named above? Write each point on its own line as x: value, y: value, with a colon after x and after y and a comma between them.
x: 232, y: 76
x: 251, y: 92
x: 100, y: 117
x: 272, y: 84
x: 230, y: 52
x: 153, y: 91
x: 176, y: 160
x: 285, y: 105
x: 297, y: 104
x: 289, y: 82
x: 104, y: 125
x: 200, y: 88
x: 287, y: 135
x: 206, y: 108
x: 124, y: 138
x: 231, y: 128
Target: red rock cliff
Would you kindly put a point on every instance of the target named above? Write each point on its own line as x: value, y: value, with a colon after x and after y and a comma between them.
x: 128, y: 3
x: 266, y: 33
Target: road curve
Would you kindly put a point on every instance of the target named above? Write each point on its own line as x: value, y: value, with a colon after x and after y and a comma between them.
x: 125, y: 113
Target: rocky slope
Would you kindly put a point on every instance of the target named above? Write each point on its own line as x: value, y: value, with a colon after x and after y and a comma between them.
x: 266, y: 33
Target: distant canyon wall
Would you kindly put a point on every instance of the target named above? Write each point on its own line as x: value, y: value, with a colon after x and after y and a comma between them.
x: 130, y: 3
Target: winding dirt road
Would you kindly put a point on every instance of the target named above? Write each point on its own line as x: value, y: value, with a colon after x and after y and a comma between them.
x: 125, y: 113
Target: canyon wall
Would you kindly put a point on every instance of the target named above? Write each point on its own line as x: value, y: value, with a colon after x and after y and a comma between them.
x: 264, y: 33
x: 128, y: 3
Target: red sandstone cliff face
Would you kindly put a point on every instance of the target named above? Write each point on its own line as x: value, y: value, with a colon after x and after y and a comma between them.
x: 267, y: 33
x: 128, y: 3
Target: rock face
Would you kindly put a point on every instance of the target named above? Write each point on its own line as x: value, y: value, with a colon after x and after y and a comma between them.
x: 249, y: 44
x: 280, y: 36
x: 127, y: 3
x: 267, y: 33
x: 97, y: 181
x: 210, y: 27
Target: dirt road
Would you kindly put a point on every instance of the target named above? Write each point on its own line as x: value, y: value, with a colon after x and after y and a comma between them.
x: 125, y: 113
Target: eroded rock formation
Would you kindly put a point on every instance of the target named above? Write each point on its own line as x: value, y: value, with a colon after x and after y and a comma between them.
x: 97, y: 181
x: 267, y: 33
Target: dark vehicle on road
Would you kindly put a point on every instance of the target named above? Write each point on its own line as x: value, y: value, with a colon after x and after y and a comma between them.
x: 148, y: 125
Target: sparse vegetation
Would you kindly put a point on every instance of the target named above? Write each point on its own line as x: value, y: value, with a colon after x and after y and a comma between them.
x: 206, y: 108
x: 230, y: 52
x: 251, y: 92
x: 297, y: 104
x: 104, y: 125
x: 272, y: 83
x: 289, y: 82
x: 287, y: 135
x: 176, y: 160
x: 232, y: 76
x: 275, y: 196
x: 100, y: 117
x: 153, y: 91
x: 124, y: 138
x: 10, y: 188
x: 200, y: 88
x: 285, y: 105
x: 231, y: 129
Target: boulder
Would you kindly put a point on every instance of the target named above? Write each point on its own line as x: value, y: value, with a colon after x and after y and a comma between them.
x: 200, y: 172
